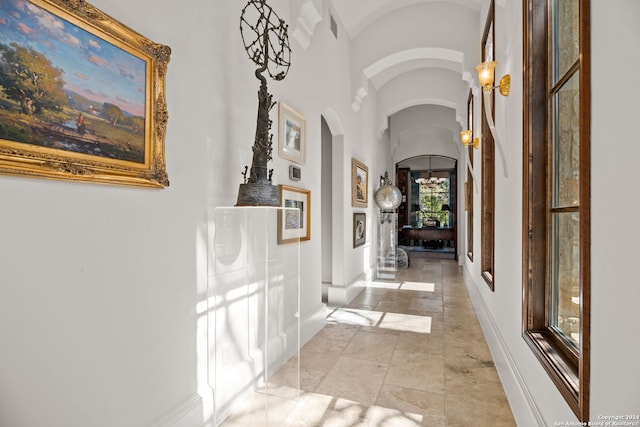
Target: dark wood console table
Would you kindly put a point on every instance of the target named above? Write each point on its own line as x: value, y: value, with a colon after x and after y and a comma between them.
x: 429, y: 233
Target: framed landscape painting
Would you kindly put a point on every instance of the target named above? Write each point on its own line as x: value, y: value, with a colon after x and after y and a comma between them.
x: 359, y: 184
x: 294, y: 223
x: 292, y: 139
x: 83, y: 96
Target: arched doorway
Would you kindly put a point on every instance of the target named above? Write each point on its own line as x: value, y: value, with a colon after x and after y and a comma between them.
x: 428, y: 219
x: 332, y: 202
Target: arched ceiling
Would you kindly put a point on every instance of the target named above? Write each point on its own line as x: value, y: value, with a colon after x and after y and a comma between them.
x: 412, y: 52
x: 358, y: 14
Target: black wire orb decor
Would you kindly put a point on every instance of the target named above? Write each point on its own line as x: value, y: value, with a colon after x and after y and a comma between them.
x: 266, y: 41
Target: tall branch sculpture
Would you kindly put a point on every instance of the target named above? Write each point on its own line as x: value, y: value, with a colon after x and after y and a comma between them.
x: 266, y: 41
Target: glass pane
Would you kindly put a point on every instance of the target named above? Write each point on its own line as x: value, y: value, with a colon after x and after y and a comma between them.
x: 566, y: 35
x: 565, y: 284
x: 434, y: 195
x: 488, y: 45
x: 566, y: 144
x: 470, y: 127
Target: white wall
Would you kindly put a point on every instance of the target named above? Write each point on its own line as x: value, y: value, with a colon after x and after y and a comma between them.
x: 99, y: 284
x: 614, y: 314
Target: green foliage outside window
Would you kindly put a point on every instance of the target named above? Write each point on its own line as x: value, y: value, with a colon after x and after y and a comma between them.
x: 432, y: 198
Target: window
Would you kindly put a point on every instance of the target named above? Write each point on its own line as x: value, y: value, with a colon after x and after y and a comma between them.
x: 556, y: 195
x: 488, y: 166
x: 469, y: 186
x: 433, y: 196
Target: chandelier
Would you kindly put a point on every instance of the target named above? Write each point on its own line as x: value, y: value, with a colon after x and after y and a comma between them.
x: 430, y: 181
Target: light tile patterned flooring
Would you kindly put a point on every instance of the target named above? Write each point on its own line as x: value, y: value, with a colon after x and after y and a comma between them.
x: 404, y: 353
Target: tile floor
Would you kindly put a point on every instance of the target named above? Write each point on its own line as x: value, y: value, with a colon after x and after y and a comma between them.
x: 404, y: 353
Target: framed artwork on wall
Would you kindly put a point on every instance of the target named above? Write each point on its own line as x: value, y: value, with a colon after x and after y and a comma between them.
x: 295, y: 174
x: 359, y: 229
x: 294, y: 224
x: 94, y: 108
x: 359, y: 184
x: 292, y: 138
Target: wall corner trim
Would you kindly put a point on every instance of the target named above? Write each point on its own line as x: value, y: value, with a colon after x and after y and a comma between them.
x: 307, y: 19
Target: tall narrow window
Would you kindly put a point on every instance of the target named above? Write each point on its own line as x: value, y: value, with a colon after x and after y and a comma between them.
x: 469, y: 187
x: 488, y: 165
x: 556, y: 193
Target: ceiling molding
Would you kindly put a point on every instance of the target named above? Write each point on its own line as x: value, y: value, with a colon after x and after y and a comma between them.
x: 357, y: 15
x: 410, y: 59
x: 384, y: 121
x: 308, y: 17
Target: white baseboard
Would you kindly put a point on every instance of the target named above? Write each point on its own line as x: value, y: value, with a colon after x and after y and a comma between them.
x: 343, y: 295
x: 186, y: 414
x: 523, y: 406
x: 311, y: 323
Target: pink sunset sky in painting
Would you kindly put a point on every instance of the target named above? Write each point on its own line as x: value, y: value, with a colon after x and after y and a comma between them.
x: 93, y: 68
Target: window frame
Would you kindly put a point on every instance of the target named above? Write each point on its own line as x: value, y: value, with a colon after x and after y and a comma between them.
x: 469, y: 188
x: 568, y: 368
x: 487, y: 252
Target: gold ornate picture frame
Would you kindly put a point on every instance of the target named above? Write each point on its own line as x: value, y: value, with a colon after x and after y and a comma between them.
x: 93, y: 108
x: 359, y: 184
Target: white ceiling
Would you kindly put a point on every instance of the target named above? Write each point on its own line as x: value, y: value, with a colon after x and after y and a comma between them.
x: 357, y: 14
x: 412, y: 52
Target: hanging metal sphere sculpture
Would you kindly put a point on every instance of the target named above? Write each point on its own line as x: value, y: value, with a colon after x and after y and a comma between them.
x: 388, y: 197
x: 266, y: 41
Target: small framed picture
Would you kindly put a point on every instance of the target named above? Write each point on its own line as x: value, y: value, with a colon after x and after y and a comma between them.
x: 294, y: 223
x: 292, y: 139
x: 359, y: 229
x: 295, y: 174
x: 359, y: 184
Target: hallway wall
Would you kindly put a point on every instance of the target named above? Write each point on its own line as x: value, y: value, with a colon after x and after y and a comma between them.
x: 615, y: 232
x: 102, y: 288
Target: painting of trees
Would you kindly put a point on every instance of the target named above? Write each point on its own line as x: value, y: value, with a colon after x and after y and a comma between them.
x: 113, y: 113
x: 76, y: 98
x: 30, y: 79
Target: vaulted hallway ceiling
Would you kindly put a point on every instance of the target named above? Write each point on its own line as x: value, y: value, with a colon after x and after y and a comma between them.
x: 418, y: 56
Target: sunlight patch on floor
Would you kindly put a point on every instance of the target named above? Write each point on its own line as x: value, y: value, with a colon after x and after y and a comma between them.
x: 406, y: 323
x: 353, y: 316
x: 418, y: 286
x: 383, y: 285
x: 314, y: 409
x: 382, y: 320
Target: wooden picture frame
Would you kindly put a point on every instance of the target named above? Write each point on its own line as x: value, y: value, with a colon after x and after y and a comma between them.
x: 294, y: 225
x: 292, y: 134
x: 359, y: 229
x: 97, y: 111
x: 359, y: 184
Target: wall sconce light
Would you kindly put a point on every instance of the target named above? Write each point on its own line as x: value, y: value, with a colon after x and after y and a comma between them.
x: 465, y: 136
x: 486, y: 72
